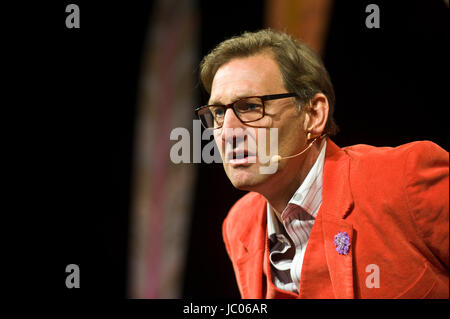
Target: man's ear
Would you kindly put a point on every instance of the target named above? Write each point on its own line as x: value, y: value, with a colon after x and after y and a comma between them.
x: 316, y: 115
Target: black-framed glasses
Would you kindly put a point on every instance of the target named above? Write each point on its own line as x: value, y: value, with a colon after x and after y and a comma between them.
x: 247, y: 109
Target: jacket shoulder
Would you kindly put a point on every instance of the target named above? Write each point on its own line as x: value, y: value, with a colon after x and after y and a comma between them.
x: 247, y: 208
x: 246, y: 213
x: 386, y: 172
x: 363, y: 151
x: 388, y: 159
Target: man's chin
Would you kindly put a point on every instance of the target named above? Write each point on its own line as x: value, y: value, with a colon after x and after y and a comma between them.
x: 243, y: 187
x: 248, y: 184
x: 247, y: 178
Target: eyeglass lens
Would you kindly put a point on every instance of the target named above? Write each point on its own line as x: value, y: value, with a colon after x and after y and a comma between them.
x: 247, y: 109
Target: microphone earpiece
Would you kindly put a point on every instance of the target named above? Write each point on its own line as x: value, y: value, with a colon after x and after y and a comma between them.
x: 275, y: 159
x: 278, y: 158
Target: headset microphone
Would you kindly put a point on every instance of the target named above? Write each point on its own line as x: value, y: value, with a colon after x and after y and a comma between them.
x: 278, y: 158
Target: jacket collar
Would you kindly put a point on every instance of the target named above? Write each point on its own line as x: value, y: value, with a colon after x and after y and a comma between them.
x: 337, y: 198
x: 255, y: 225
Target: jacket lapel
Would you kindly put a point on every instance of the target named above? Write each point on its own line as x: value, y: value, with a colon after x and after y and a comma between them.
x: 337, y: 202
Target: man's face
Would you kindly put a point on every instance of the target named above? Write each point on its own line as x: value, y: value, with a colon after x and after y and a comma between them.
x: 256, y: 76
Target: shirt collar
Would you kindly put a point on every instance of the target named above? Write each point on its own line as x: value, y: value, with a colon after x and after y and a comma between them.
x: 312, y: 183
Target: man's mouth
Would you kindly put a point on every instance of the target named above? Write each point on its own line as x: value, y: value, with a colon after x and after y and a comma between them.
x: 240, y: 156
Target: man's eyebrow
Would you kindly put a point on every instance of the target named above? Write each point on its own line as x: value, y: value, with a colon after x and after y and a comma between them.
x: 214, y: 103
x: 237, y: 97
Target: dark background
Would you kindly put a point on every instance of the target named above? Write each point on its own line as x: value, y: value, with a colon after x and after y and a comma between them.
x: 80, y: 99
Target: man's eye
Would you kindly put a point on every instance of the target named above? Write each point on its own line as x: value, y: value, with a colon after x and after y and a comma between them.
x: 248, y: 107
x: 218, y: 111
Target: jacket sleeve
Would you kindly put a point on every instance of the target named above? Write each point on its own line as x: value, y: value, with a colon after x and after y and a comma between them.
x: 225, y: 237
x: 427, y: 190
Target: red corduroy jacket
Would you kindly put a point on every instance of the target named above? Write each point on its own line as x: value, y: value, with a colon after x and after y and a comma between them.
x: 393, y: 204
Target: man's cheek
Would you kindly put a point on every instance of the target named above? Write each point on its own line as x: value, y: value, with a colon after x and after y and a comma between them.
x: 218, y: 140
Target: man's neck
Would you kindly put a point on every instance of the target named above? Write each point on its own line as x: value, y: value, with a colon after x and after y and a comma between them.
x: 278, y: 196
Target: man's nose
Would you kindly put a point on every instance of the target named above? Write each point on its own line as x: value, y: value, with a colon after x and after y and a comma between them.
x: 232, y: 129
x: 230, y: 120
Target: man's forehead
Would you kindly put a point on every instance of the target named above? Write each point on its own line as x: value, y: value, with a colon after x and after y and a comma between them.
x: 220, y: 100
x: 243, y: 77
x: 232, y: 89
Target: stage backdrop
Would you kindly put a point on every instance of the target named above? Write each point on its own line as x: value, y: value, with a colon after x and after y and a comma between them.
x: 162, y: 190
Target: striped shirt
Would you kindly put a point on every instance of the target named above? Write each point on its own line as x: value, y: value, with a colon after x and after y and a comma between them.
x: 288, y: 240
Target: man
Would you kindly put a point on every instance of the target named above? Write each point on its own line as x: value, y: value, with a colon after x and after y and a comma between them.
x: 330, y: 222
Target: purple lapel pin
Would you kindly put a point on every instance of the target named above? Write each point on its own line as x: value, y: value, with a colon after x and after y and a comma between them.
x: 342, y: 242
